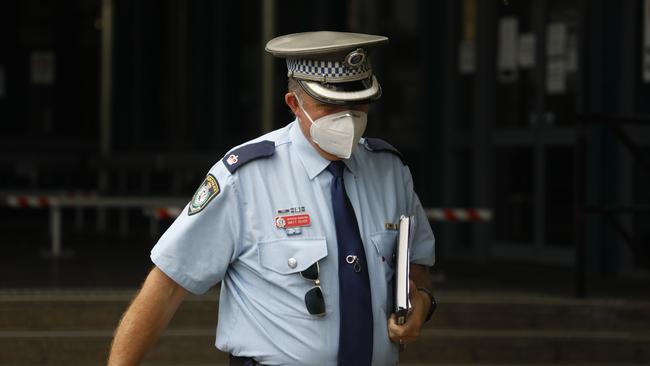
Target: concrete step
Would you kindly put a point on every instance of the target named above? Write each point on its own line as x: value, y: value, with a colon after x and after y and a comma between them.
x: 88, y: 347
x: 436, y: 346
x: 530, y: 347
x: 87, y: 310
x: 101, y: 310
x: 75, y: 327
x: 524, y: 311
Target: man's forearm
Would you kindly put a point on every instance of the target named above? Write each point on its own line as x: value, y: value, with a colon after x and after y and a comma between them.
x: 422, y: 277
x: 146, y: 319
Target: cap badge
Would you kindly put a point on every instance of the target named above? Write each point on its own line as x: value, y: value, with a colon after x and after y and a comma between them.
x: 355, y: 58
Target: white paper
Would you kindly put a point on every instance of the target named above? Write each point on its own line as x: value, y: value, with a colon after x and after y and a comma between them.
x: 402, y: 303
x: 527, y: 50
x: 556, y: 58
x: 42, y: 67
x: 556, y: 39
x: 3, y: 83
x: 646, y: 42
x: 466, y: 57
x: 508, y: 41
x: 556, y: 71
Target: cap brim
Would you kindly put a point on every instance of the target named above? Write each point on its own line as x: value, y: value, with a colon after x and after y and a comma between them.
x: 320, y: 43
x: 330, y: 96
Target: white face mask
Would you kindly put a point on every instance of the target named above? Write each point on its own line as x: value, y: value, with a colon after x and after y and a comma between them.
x: 338, y: 133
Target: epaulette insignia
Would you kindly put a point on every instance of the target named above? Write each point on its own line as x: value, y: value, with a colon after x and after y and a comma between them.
x: 373, y: 144
x: 247, y: 153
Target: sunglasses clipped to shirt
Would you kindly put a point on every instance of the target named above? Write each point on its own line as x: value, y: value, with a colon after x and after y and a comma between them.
x: 314, y: 300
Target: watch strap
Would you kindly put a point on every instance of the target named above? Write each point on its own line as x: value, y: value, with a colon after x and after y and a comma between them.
x: 432, y: 307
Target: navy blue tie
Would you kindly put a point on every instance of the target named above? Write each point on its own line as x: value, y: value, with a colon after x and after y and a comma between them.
x: 355, y: 337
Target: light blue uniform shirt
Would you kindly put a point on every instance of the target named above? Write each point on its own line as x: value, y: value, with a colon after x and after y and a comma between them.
x: 234, y: 239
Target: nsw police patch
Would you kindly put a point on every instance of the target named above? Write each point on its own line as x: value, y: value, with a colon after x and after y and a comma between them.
x: 208, y: 190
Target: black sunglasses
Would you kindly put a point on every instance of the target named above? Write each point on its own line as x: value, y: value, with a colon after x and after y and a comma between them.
x: 314, y: 299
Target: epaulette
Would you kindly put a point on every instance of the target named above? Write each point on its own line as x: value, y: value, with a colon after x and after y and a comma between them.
x: 247, y: 153
x: 373, y: 144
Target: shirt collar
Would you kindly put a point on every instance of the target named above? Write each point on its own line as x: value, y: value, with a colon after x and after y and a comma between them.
x: 311, y: 160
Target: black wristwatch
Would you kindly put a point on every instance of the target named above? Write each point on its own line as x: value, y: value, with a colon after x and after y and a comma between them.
x: 432, y: 308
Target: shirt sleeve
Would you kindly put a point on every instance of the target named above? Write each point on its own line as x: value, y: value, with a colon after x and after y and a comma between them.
x: 200, y: 244
x: 423, y: 245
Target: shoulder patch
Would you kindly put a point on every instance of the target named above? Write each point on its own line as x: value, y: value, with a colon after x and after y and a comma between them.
x: 247, y: 153
x: 208, y: 190
x: 373, y: 144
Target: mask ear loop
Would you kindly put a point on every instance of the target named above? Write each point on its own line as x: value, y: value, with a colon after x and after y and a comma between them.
x: 303, y: 109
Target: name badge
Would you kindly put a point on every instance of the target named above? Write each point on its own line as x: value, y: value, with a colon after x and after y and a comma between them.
x: 285, y: 222
x: 292, y: 220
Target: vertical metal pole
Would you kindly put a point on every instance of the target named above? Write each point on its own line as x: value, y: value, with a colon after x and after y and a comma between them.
x: 447, y: 235
x: 268, y: 31
x: 579, y: 168
x: 123, y: 213
x: 106, y: 78
x: 579, y: 212
x: 55, y: 230
x: 485, y: 84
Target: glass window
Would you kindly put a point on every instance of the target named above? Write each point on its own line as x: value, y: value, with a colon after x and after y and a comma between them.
x: 561, y: 72
x: 559, y: 196
x: 514, y: 194
x: 466, y: 64
x: 516, y: 74
x: 462, y: 197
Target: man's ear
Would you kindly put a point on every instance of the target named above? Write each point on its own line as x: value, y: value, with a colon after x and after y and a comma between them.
x: 292, y: 102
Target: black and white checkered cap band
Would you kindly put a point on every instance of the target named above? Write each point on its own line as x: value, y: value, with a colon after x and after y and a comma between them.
x: 327, y: 71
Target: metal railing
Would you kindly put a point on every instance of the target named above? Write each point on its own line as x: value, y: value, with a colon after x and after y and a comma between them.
x: 608, y: 212
x: 163, y: 208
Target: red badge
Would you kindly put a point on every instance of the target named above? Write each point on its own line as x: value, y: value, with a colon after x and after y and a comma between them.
x: 285, y: 222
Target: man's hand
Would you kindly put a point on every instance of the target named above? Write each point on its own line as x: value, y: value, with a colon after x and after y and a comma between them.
x: 146, y: 319
x: 410, y: 331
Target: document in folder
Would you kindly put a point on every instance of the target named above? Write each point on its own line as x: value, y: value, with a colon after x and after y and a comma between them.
x: 402, y: 264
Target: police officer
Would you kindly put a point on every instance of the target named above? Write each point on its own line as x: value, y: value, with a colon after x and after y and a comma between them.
x: 298, y: 225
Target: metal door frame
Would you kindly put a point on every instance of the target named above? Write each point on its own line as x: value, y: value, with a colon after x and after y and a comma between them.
x: 483, y: 137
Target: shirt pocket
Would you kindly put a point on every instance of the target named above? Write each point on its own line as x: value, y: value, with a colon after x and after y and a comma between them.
x: 288, y: 256
x: 384, y: 242
x: 281, y: 261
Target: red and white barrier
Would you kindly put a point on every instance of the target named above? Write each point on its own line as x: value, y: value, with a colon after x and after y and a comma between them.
x: 433, y: 214
x: 459, y: 214
x: 79, y: 200
x: 164, y: 208
x: 47, y: 201
x: 165, y: 213
x: 30, y: 201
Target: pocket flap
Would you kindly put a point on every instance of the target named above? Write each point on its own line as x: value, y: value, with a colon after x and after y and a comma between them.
x: 385, y: 242
x: 289, y: 255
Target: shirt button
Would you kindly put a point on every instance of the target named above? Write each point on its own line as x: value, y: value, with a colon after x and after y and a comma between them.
x: 292, y: 262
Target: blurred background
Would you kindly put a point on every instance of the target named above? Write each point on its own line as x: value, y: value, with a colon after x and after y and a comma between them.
x: 526, y: 125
